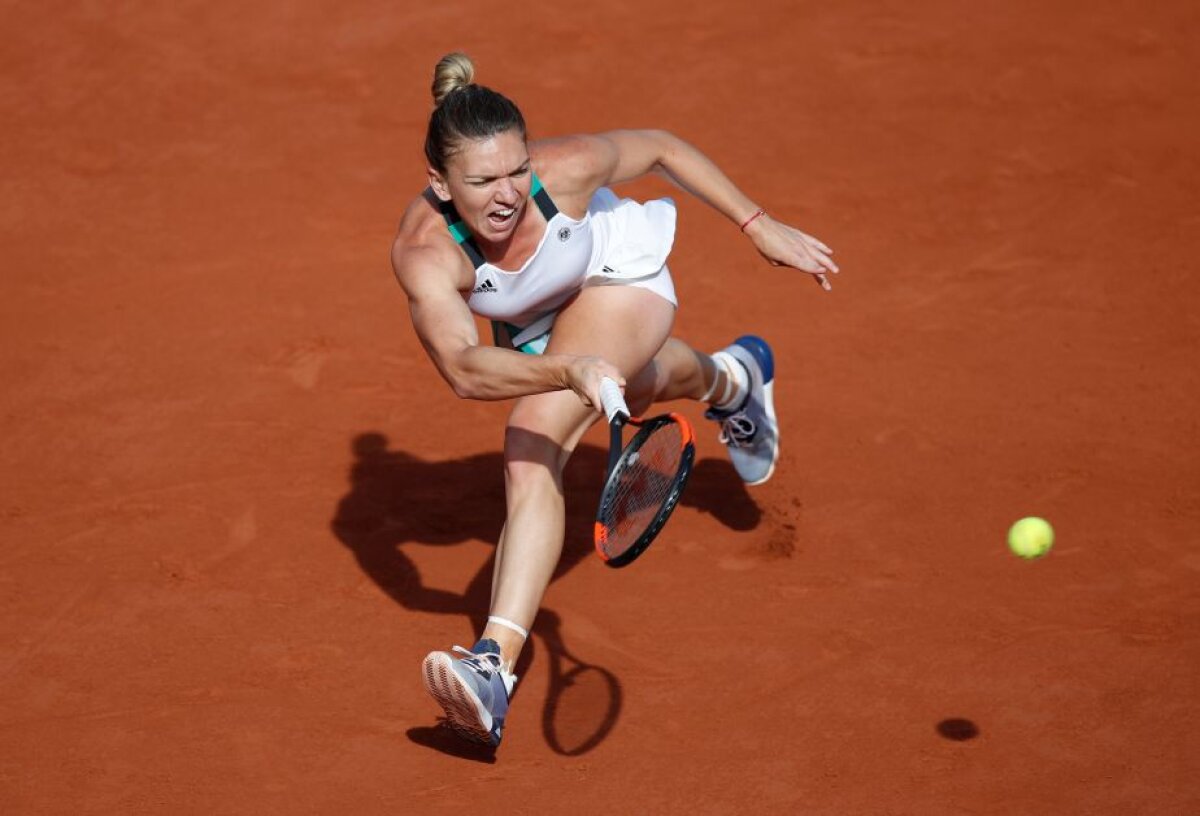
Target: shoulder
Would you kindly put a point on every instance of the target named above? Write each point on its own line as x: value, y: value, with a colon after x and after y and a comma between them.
x: 572, y: 165
x: 583, y: 163
x: 424, y: 255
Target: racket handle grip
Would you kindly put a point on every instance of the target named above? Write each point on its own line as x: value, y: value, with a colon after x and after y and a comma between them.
x: 612, y: 400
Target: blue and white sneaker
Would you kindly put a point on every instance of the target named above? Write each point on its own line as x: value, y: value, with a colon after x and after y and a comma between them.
x: 473, y: 690
x: 751, y: 431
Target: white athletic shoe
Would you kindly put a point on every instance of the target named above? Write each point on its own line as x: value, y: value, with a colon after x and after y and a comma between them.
x: 473, y: 690
x: 750, y: 431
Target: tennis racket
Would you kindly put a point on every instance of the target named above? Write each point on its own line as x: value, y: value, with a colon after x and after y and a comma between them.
x: 645, y: 478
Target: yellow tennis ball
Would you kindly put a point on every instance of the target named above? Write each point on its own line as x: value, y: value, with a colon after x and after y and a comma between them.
x: 1031, y: 537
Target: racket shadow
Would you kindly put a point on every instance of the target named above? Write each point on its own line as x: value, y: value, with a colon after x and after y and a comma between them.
x: 583, y: 701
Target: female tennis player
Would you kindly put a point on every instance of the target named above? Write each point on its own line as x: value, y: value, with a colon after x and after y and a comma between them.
x: 575, y: 282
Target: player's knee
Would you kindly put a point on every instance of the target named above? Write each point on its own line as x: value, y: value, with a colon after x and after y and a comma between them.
x: 531, y: 457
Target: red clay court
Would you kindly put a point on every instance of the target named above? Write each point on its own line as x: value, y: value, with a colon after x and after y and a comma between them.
x: 238, y: 506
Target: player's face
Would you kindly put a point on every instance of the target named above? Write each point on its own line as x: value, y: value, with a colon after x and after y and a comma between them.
x: 489, y: 181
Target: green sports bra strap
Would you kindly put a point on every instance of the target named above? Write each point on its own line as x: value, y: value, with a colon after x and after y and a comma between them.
x: 542, y: 199
x: 460, y: 233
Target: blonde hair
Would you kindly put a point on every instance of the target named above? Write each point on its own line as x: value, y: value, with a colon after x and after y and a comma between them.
x: 453, y: 71
x: 464, y: 111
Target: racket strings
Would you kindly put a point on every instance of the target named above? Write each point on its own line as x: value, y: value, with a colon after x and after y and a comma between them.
x: 645, y: 482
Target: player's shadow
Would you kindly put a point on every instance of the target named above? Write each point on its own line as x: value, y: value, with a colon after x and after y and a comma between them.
x: 397, y: 500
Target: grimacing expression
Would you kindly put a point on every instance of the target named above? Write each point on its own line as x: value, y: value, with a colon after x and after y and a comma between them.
x: 489, y: 182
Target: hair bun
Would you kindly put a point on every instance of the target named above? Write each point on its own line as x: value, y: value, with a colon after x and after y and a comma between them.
x: 454, y: 71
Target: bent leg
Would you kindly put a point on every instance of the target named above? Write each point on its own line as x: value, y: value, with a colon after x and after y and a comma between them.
x: 737, y: 382
x: 677, y: 372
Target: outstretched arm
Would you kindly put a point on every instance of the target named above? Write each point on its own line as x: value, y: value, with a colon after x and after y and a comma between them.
x: 447, y: 331
x: 623, y: 155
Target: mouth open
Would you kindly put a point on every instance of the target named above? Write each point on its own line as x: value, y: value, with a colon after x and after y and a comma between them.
x: 500, y: 219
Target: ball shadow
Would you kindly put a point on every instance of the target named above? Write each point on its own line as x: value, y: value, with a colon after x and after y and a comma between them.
x: 957, y: 729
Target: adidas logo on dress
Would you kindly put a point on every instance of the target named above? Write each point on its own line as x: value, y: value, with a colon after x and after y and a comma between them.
x: 486, y: 286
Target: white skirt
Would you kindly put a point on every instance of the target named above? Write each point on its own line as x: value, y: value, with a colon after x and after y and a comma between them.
x: 631, y: 242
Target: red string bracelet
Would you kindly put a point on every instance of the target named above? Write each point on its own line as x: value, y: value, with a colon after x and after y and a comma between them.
x: 750, y: 220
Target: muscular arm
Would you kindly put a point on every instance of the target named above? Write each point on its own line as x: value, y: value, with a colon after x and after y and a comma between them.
x: 447, y: 331
x: 630, y: 154
x: 624, y: 155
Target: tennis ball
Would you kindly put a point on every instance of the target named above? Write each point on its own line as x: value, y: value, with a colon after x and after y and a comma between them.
x: 1031, y: 537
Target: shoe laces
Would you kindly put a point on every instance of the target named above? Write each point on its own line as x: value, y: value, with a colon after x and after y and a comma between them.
x: 485, y: 663
x: 737, y: 430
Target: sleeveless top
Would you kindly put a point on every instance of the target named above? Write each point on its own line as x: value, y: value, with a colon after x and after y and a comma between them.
x: 553, y: 273
x: 616, y: 241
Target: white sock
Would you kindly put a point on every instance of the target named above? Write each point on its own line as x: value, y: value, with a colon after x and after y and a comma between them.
x: 737, y: 382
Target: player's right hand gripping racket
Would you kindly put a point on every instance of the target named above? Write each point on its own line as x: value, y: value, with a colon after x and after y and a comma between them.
x: 645, y: 478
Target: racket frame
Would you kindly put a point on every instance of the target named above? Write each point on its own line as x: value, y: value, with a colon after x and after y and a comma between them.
x: 618, y: 458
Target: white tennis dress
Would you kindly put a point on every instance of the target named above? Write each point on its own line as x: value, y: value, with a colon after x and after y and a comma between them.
x: 617, y: 242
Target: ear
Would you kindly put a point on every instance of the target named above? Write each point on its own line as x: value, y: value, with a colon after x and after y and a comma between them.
x: 438, y: 184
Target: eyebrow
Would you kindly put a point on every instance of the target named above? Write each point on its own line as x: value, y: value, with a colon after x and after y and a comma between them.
x: 524, y: 166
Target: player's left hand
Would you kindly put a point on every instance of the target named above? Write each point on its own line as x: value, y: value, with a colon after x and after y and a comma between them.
x: 782, y: 245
